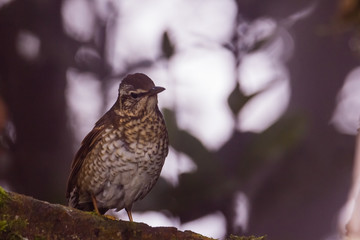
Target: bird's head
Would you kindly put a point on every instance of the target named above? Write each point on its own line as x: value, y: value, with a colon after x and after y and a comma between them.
x: 138, y: 95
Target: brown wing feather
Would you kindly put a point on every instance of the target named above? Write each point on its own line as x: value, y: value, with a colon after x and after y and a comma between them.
x: 87, y: 145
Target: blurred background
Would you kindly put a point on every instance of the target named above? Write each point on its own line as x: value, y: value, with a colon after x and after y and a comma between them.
x: 262, y: 105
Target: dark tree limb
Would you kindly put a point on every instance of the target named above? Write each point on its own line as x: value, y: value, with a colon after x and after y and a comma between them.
x: 25, y: 217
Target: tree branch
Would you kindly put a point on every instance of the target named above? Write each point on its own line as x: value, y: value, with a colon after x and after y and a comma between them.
x: 25, y: 217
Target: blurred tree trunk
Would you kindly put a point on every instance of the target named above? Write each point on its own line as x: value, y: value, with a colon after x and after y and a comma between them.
x: 34, y: 93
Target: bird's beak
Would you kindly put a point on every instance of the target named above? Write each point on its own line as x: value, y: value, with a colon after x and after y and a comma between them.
x: 155, y: 90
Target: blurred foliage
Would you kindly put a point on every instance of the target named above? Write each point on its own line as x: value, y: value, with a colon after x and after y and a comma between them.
x: 168, y: 48
x: 237, y: 99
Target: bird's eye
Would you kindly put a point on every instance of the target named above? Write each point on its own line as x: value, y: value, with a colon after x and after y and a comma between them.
x: 134, y: 95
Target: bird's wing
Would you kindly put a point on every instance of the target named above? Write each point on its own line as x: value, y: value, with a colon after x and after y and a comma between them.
x: 87, y: 145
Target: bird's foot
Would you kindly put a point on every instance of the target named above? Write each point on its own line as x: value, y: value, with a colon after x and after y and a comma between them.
x: 97, y: 210
x: 110, y: 217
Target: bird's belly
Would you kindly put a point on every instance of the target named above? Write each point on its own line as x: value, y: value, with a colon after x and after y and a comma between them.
x: 125, y: 188
x: 129, y: 175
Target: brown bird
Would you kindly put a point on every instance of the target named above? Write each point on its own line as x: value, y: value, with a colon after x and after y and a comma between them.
x: 120, y: 160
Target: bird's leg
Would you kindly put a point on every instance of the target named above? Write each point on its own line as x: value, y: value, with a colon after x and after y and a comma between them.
x: 97, y: 210
x: 128, y: 211
x: 95, y: 204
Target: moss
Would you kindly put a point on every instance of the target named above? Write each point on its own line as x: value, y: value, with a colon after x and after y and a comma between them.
x: 11, y: 228
x: 2, y: 191
x: 3, y: 226
x: 93, y: 213
x: 3, y: 197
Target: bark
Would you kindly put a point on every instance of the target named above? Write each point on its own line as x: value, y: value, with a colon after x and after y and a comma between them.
x: 23, y: 217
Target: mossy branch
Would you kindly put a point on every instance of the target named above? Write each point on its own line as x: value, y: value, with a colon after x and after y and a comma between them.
x: 23, y: 217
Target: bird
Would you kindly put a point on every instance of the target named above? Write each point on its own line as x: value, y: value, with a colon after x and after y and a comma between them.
x: 120, y: 160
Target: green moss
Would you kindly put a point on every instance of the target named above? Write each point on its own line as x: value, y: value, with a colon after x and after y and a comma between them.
x: 11, y: 228
x: 3, y: 226
x: 92, y: 213
x: 2, y: 191
x: 3, y: 197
